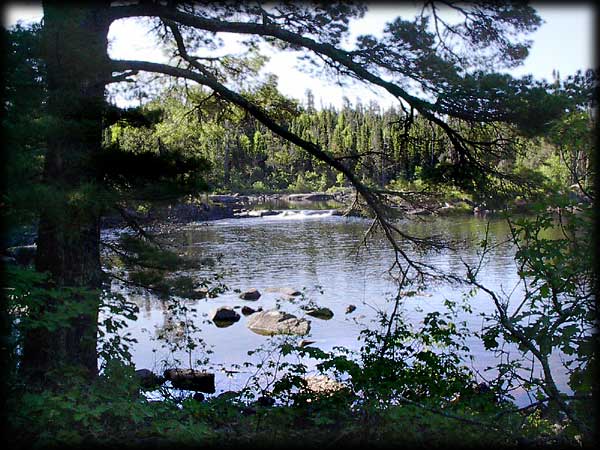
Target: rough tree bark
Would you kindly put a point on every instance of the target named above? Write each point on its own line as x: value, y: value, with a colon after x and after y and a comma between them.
x: 68, y: 240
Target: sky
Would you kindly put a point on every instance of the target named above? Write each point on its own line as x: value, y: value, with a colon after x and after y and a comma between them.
x: 564, y: 42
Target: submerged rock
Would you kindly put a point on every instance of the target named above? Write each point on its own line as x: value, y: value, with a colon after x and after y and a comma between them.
x: 276, y: 322
x: 288, y: 291
x: 320, y: 313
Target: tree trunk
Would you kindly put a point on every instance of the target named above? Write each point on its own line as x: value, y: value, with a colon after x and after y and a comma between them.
x: 68, y: 245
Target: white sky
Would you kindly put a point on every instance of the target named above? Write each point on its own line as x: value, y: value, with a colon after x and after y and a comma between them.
x: 565, y: 42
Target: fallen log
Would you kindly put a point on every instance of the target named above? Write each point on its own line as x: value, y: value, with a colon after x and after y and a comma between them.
x: 191, y: 380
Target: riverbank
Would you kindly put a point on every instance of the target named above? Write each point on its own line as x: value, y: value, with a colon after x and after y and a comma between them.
x: 209, y: 207
x: 237, y: 206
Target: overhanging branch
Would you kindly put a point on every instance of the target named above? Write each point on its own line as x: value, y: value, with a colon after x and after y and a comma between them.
x: 258, y: 113
x: 338, y: 56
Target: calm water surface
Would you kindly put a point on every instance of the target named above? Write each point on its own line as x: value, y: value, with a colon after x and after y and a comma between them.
x: 316, y: 252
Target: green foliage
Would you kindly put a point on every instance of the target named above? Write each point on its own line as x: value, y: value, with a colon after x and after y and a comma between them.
x: 34, y: 304
x: 245, y: 156
x: 23, y: 125
x: 309, y: 182
x: 108, y: 411
x: 557, y: 313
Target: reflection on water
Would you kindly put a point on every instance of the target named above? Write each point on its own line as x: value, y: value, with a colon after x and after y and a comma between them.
x: 321, y: 254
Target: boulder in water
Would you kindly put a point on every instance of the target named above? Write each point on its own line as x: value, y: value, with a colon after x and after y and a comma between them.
x: 419, y: 212
x: 246, y: 310
x: 224, y: 316
x: 273, y: 322
x: 250, y: 294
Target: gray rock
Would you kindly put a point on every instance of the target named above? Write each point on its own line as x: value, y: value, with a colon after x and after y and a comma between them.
x: 277, y: 322
x: 250, y: 294
x: 575, y: 193
x: 296, y: 197
x: 446, y: 210
x: 290, y: 291
x: 269, y: 213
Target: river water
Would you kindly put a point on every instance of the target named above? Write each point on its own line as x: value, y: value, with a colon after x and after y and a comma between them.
x: 321, y: 255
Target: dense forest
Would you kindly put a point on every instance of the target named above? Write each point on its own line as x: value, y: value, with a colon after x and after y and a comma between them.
x: 72, y: 158
x: 245, y: 156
